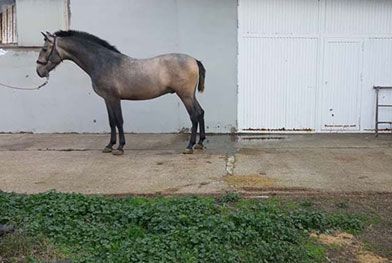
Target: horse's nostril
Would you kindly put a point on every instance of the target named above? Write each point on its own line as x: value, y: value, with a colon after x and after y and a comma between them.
x: 39, y: 73
x: 41, y: 63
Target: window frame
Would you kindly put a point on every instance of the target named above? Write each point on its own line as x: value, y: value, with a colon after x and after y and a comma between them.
x: 5, y: 32
x: 17, y: 45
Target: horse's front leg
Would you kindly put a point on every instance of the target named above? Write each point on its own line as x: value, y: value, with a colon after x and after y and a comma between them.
x: 112, y: 122
x: 116, y: 106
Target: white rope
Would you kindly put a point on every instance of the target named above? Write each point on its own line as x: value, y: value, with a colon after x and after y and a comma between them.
x: 19, y: 88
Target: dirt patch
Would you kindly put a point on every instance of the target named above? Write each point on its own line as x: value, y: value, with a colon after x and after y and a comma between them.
x: 377, y: 237
x: 18, y: 247
x: 368, y: 257
x: 348, y: 248
x: 250, y: 181
x: 340, y: 239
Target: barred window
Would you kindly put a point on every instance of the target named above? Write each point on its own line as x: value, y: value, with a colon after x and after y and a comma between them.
x: 8, y: 22
x: 21, y: 21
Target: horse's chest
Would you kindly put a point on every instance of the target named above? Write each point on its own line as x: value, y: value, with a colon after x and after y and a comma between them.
x: 104, y: 91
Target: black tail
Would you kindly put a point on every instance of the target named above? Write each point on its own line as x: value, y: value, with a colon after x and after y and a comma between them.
x: 202, y: 76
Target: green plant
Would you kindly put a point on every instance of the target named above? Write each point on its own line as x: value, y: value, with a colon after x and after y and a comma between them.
x: 183, y: 229
x: 230, y: 197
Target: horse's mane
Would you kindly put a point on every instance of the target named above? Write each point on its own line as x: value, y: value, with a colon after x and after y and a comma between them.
x: 86, y: 36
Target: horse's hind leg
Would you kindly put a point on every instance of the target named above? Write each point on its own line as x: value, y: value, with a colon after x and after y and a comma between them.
x: 190, y: 105
x: 200, y: 118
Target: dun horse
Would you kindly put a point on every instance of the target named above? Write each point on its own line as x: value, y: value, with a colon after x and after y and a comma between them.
x: 117, y: 77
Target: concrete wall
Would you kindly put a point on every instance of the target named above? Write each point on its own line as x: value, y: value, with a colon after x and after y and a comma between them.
x: 48, y: 15
x: 205, y: 29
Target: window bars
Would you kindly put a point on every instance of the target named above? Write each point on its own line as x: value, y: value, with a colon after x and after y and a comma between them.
x: 8, y: 24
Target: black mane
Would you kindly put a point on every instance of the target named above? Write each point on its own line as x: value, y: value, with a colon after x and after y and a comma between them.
x: 86, y: 36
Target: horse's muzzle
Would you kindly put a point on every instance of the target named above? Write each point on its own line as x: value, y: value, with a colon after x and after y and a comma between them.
x: 42, y: 74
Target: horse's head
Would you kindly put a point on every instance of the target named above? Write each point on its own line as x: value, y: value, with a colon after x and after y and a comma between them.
x: 49, y: 56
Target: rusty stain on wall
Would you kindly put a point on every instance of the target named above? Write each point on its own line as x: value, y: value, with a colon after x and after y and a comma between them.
x: 280, y: 129
x: 340, y: 125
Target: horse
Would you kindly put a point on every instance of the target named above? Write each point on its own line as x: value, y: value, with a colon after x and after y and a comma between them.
x: 117, y: 77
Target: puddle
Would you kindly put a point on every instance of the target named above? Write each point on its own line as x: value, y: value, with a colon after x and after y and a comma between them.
x: 249, y: 140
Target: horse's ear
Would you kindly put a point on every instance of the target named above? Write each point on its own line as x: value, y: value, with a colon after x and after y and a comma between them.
x: 48, y: 36
x: 45, y: 36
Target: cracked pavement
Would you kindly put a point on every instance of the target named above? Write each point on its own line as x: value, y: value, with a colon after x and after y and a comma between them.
x: 154, y: 164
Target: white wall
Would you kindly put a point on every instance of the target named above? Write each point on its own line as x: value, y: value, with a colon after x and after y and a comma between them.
x: 204, y: 29
x: 33, y: 16
x: 310, y: 65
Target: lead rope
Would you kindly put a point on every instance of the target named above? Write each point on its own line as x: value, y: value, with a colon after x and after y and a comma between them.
x: 19, y: 88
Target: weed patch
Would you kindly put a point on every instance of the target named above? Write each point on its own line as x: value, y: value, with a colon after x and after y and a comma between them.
x: 180, y: 229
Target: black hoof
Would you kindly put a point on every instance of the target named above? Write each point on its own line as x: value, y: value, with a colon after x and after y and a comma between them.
x: 199, y: 146
x: 118, y: 152
x: 107, y: 149
x: 188, y: 151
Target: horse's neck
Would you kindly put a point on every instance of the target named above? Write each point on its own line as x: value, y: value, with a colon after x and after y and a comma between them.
x: 86, y: 55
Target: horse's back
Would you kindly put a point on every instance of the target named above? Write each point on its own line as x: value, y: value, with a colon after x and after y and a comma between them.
x: 175, y: 61
x: 178, y: 70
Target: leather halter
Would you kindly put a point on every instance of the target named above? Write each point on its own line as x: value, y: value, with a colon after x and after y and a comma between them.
x: 50, y: 54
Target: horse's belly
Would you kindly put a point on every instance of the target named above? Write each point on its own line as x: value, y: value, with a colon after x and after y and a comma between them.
x: 144, y: 93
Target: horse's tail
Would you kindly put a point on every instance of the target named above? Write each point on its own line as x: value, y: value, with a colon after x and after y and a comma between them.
x: 202, y: 76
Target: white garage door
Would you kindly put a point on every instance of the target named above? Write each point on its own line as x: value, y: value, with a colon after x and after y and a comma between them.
x: 309, y: 65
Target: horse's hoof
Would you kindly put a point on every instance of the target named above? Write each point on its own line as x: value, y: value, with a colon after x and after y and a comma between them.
x: 107, y: 150
x: 199, y: 146
x: 118, y: 152
x: 188, y: 151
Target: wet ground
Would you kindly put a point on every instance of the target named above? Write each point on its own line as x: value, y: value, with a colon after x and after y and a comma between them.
x: 154, y: 163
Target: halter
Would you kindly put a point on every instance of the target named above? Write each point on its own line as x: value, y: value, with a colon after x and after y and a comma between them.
x: 50, y: 54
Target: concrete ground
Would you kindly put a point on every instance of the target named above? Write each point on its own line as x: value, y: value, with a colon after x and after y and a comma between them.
x: 153, y: 164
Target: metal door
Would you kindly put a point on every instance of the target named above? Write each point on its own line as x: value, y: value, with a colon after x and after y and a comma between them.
x: 342, y: 84
x: 278, y: 56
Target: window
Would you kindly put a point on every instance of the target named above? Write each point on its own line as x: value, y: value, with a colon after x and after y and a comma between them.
x: 7, y: 22
x: 21, y: 21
